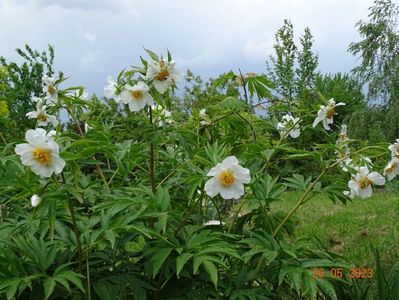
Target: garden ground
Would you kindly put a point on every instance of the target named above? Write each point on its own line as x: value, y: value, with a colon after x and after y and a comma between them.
x: 351, y: 230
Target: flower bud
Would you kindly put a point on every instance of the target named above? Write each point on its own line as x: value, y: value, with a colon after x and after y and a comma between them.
x: 35, y: 200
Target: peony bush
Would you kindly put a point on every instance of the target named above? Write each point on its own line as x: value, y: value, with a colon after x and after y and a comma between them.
x: 144, y: 202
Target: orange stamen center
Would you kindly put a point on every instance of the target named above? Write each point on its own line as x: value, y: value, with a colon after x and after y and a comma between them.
x: 42, y: 117
x: 226, y: 178
x: 52, y: 90
x: 43, y: 156
x: 330, y: 112
x: 137, y: 95
x: 391, y: 168
x: 364, y: 182
x: 162, y: 75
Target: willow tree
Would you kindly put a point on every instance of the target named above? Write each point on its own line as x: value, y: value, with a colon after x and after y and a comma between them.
x: 378, y: 51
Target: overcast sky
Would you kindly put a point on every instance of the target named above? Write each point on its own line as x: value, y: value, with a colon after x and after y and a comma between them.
x: 96, y: 38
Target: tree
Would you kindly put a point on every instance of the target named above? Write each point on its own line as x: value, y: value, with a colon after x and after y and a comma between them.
x: 293, y: 71
x: 22, y: 81
x: 379, y: 54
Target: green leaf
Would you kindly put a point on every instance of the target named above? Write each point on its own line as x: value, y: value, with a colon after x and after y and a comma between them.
x: 48, y: 285
x: 327, y: 288
x: 212, y: 271
x: 73, y: 277
x: 152, y: 54
x: 158, y: 259
x: 181, y: 261
x: 162, y: 198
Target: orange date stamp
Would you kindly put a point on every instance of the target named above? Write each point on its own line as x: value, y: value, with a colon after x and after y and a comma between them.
x: 354, y: 273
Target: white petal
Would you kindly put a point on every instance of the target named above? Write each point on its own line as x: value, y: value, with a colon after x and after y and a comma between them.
x: 215, y: 170
x: 229, y: 193
x: 211, y: 187
x: 294, y: 133
x: 376, y: 178
x: 366, y: 192
x: 229, y: 162
x: 24, y: 148
x: 241, y: 174
x: 325, y: 124
x: 135, y: 105
x: 57, y: 164
x: 160, y: 86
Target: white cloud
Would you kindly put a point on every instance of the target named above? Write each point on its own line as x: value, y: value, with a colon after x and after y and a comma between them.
x: 95, y: 38
x: 258, y: 48
x: 92, y: 60
x: 88, y: 35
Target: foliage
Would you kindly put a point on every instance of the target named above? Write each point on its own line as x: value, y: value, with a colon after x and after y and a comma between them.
x: 379, y: 56
x: 18, y: 82
x: 127, y: 217
x: 291, y: 70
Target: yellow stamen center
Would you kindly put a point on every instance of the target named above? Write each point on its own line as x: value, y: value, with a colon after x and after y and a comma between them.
x: 364, y: 182
x: 42, y: 117
x: 162, y: 75
x: 226, y: 178
x: 391, y: 168
x: 52, y: 90
x: 137, y: 95
x: 330, y: 112
x: 43, y: 156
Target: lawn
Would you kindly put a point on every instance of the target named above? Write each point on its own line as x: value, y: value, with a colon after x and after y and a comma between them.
x: 351, y: 229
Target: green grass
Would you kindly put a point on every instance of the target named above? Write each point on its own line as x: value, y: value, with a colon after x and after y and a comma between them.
x: 351, y: 230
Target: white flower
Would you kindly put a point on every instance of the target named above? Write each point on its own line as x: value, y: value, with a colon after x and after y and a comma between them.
x: 326, y: 114
x: 137, y: 96
x: 110, y: 91
x: 360, y: 185
x: 204, y: 117
x: 394, y: 148
x: 228, y: 179
x: 163, y: 74
x: 42, y: 117
x: 35, y: 200
x: 41, y: 153
x: 77, y: 94
x: 87, y: 127
x: 343, y: 157
x: 343, y: 135
x: 50, y: 89
x: 290, y: 125
x: 162, y: 115
x: 392, y: 169
x: 213, y: 222
x: 39, y: 101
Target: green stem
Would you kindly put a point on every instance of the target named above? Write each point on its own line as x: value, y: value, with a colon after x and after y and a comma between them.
x: 88, y: 276
x: 77, y: 234
x: 3, y: 138
x: 152, y: 163
x: 249, y: 124
x: 302, y: 200
x: 81, y: 133
x: 236, y: 215
x: 75, y: 226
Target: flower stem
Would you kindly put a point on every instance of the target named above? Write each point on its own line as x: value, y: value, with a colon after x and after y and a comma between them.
x: 303, y: 199
x: 81, y: 133
x: 88, y: 276
x: 152, y: 163
x: 77, y: 234
x: 75, y: 227
x: 236, y: 215
x: 3, y: 138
